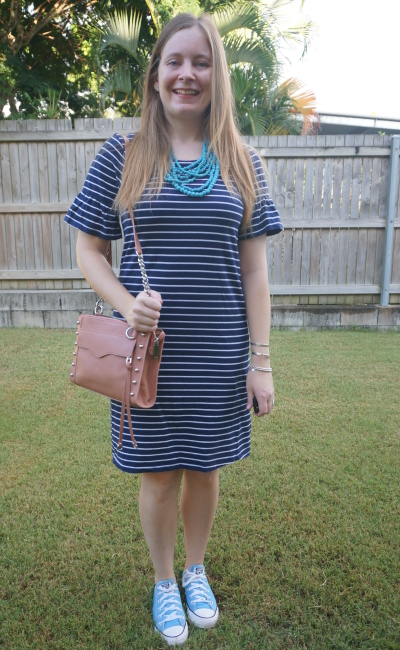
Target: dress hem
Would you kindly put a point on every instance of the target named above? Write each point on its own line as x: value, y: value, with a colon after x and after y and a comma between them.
x: 180, y: 466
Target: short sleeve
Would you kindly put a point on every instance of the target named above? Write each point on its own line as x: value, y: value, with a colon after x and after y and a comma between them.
x: 265, y: 217
x: 92, y: 210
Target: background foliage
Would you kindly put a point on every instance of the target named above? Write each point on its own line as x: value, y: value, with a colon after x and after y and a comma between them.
x: 86, y: 58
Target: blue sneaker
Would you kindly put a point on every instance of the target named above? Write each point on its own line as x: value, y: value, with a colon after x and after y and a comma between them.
x: 169, y: 617
x: 202, y: 607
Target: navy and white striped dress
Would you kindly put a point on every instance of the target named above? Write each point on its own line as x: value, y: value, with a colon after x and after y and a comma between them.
x: 190, y: 248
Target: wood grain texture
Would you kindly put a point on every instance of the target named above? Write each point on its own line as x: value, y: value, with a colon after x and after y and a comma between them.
x: 299, y: 189
x: 337, y: 188
x: 366, y: 188
x: 355, y: 189
x: 296, y: 256
x: 395, y: 275
x: 3, y: 248
x: 318, y: 183
x: 384, y: 189
x: 370, y: 257
x: 380, y: 239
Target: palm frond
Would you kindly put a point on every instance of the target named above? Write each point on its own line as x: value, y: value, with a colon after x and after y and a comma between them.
x: 232, y: 17
x: 123, y: 30
x: 156, y: 16
x: 240, y: 50
x: 304, y: 102
x: 275, y: 11
x: 242, y: 84
x: 282, y: 27
x: 117, y: 80
x: 256, y: 119
x: 299, y: 32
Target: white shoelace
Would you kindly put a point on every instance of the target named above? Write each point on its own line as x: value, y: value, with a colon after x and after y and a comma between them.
x: 170, y: 600
x: 199, y: 592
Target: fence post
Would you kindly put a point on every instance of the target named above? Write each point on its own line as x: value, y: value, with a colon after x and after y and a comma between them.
x: 390, y: 216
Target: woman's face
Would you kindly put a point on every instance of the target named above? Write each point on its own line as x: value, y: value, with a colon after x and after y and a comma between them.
x: 184, y: 74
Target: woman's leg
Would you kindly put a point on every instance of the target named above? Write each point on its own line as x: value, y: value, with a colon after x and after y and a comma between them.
x: 199, y: 498
x: 158, y: 508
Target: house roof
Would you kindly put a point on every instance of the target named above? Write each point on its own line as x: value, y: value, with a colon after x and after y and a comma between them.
x: 346, y: 123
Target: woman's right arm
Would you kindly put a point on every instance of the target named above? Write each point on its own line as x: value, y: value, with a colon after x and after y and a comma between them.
x: 141, y: 313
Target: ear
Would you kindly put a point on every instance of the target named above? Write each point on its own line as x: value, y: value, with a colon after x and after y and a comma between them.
x: 156, y: 85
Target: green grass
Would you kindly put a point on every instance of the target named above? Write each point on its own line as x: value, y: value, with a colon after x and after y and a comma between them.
x: 304, y: 552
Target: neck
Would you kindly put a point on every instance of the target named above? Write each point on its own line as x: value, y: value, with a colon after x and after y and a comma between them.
x: 185, y: 134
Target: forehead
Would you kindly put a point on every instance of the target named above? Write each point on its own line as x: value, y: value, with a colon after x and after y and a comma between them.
x: 187, y: 42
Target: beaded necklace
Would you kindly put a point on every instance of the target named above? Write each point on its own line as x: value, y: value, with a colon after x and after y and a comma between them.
x: 207, y: 165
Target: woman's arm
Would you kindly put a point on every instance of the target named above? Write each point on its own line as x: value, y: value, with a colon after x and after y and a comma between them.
x: 254, y: 273
x: 142, y: 313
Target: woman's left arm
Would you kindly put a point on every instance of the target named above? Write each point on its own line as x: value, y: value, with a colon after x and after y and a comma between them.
x: 254, y: 273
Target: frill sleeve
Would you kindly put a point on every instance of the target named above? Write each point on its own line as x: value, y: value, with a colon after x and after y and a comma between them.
x: 92, y: 210
x: 265, y: 217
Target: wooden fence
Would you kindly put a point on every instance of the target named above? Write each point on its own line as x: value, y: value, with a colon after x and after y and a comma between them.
x: 331, y: 193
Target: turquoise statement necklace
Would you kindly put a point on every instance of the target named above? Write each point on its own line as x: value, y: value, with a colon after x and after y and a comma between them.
x: 206, y: 166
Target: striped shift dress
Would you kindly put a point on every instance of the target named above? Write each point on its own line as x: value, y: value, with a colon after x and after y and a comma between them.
x: 190, y: 248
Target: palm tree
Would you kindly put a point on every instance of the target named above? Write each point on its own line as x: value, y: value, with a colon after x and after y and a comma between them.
x: 123, y: 31
x: 252, y: 33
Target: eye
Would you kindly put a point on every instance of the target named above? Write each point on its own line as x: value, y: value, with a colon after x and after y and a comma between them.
x: 203, y: 64
x: 173, y: 63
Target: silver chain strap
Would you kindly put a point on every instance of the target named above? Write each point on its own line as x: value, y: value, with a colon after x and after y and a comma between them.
x: 145, y: 279
x: 146, y: 287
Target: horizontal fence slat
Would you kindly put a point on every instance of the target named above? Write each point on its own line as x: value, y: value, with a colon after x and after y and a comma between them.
x: 271, y: 151
x: 330, y: 191
x: 275, y: 289
x: 42, y: 208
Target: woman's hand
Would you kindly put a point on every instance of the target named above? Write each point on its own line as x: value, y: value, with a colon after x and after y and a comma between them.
x: 144, y: 311
x: 260, y: 385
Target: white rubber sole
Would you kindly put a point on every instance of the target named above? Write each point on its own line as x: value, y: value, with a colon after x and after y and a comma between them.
x: 204, y: 623
x: 175, y: 640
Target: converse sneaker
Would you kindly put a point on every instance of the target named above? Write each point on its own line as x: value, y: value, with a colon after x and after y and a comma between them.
x: 169, y: 617
x: 202, y: 607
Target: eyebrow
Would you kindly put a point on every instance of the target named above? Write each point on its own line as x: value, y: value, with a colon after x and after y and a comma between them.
x: 198, y: 56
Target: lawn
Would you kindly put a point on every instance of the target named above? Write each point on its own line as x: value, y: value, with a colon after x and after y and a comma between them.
x: 304, y: 552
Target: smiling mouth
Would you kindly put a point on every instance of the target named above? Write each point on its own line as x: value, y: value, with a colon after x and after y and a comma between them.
x: 181, y: 91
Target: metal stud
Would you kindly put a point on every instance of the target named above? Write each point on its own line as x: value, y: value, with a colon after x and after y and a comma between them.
x: 73, y: 363
x: 76, y: 342
x: 134, y: 381
x: 138, y: 358
x: 77, y: 322
x: 71, y: 374
x: 76, y: 332
x: 140, y: 345
x: 143, y: 333
x: 136, y: 369
x: 131, y: 394
x: 74, y: 354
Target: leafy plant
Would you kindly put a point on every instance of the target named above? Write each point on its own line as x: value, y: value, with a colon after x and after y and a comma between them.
x: 252, y: 33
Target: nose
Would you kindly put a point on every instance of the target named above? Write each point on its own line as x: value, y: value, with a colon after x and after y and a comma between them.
x: 186, y: 71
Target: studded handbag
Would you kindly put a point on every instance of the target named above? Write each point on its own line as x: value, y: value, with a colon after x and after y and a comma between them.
x: 114, y: 360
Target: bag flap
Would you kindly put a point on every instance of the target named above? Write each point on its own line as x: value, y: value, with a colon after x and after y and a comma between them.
x: 103, y: 338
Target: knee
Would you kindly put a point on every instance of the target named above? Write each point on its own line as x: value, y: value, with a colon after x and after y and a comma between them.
x: 162, y: 485
x: 203, y: 480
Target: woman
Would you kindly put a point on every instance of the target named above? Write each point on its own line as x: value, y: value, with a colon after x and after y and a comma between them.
x: 204, y: 242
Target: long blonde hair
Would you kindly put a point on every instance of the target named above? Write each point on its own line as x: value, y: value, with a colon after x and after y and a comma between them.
x: 148, y: 156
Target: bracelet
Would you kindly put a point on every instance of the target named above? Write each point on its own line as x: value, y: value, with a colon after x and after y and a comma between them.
x: 252, y: 368
x: 260, y: 354
x: 262, y: 345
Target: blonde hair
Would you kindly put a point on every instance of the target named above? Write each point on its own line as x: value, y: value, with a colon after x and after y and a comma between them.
x: 148, y: 155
